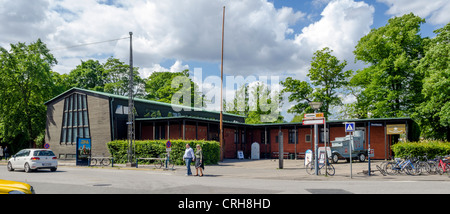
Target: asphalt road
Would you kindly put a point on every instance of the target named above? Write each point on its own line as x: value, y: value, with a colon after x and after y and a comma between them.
x: 229, y: 177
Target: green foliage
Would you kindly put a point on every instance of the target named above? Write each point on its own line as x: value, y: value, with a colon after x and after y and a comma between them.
x: 434, y: 113
x: 327, y: 75
x: 159, y: 87
x: 390, y: 85
x: 26, y: 82
x: 157, y: 148
x: 415, y: 149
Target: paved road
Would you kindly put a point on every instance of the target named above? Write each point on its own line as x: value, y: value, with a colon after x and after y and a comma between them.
x: 230, y: 176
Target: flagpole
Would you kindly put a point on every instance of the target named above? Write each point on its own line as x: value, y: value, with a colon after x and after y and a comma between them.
x: 221, y: 90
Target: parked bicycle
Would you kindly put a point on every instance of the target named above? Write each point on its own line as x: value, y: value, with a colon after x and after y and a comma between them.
x: 102, y: 161
x: 398, y: 166
x: 310, y: 168
x: 443, y: 165
x: 166, y: 162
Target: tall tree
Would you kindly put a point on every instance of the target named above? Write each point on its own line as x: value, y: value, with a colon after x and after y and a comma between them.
x: 433, y: 114
x: 159, y: 87
x: 27, y: 82
x: 257, y: 102
x: 327, y: 77
x: 390, y: 85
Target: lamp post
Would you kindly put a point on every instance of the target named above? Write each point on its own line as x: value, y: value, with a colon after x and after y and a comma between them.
x: 316, y: 106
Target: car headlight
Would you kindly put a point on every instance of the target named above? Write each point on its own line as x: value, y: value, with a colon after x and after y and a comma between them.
x: 16, y: 192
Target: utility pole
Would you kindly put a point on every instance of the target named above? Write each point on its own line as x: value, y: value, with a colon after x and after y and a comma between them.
x: 130, y: 122
x: 221, y: 90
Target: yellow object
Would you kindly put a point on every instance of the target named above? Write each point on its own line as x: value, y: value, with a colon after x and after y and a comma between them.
x: 14, y: 187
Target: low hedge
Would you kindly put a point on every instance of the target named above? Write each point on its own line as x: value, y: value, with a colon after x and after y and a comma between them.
x: 157, y: 148
x: 415, y: 149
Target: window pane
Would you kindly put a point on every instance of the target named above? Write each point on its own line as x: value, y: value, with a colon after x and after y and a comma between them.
x: 66, y: 104
x: 85, y: 117
x: 84, y: 102
x: 86, y: 132
x: 63, y: 137
x: 80, y: 132
x: 75, y: 118
x: 69, y: 135
x: 70, y: 119
x: 80, y: 119
x: 75, y: 134
x: 79, y: 101
x: 75, y: 102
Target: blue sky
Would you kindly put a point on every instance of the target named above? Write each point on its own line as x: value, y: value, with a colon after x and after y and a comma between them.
x: 262, y: 37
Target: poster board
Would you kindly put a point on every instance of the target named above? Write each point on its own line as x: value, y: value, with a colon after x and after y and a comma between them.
x: 240, y: 154
x: 84, y: 148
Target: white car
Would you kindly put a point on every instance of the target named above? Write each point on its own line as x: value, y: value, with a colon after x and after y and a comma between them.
x: 32, y: 159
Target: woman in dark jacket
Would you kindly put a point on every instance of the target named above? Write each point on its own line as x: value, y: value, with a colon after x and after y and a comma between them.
x: 199, y: 161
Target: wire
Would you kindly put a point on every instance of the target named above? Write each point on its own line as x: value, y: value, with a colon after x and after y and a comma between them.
x: 86, y: 44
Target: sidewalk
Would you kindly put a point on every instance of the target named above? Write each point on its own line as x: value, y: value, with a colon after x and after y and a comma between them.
x: 268, y: 169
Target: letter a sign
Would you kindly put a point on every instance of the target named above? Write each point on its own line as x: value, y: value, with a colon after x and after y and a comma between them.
x: 350, y: 127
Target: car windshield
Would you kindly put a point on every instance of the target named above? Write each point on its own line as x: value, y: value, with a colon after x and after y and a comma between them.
x: 43, y: 153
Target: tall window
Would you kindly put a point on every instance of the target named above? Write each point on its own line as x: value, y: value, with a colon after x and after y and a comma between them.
x: 75, y: 121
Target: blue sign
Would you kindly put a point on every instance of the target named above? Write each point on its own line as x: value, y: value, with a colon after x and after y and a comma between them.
x: 350, y: 127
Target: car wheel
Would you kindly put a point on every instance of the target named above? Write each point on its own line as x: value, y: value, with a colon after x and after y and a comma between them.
x: 27, y: 168
x: 334, y: 158
x: 362, y: 158
x: 10, y: 168
x: 53, y: 169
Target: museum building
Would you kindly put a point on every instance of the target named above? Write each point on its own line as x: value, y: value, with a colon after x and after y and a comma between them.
x: 103, y: 116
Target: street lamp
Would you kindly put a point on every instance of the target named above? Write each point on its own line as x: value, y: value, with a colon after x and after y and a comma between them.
x: 316, y: 106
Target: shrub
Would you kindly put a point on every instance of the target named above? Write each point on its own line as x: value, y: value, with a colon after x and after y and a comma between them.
x: 157, y: 148
x: 431, y: 148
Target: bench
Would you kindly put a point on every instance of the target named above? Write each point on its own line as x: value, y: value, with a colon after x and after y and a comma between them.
x: 276, y: 154
x: 159, y: 159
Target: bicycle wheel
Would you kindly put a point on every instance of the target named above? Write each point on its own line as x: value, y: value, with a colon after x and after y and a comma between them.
x: 411, y: 169
x: 330, y: 170
x: 423, y: 168
x: 93, y: 162
x: 106, y: 161
x: 158, y: 164
x: 391, y: 168
x: 310, y: 168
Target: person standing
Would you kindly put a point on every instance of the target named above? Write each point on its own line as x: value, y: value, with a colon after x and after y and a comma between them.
x: 188, y: 157
x: 1, y: 152
x: 199, y: 161
x: 6, y: 152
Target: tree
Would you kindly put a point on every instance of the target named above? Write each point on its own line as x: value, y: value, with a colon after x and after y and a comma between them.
x: 27, y: 82
x: 326, y: 76
x: 159, y: 87
x: 257, y: 102
x: 433, y: 114
x: 117, y: 78
x: 111, y: 77
x: 390, y: 86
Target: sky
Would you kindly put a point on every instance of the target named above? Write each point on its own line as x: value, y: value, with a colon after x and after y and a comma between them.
x: 262, y: 37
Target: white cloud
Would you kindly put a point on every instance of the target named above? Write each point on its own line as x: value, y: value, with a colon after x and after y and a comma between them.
x: 436, y: 11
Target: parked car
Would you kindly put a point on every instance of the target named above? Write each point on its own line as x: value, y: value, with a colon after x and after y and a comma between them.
x: 33, y: 159
x: 15, y: 187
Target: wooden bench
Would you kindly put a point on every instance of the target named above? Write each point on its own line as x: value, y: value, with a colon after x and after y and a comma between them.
x: 276, y: 154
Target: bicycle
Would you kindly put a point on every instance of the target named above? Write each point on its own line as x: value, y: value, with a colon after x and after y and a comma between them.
x: 442, y: 165
x: 165, y: 163
x: 310, y: 168
x: 399, y: 166
x: 105, y: 161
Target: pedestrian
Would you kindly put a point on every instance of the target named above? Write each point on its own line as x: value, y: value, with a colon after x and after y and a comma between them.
x: 199, y: 161
x: 6, y: 152
x: 1, y: 152
x: 188, y: 157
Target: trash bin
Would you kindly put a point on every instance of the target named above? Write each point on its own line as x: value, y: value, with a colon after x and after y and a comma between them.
x: 291, y: 156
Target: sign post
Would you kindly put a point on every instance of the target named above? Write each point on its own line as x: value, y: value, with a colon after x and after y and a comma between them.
x: 280, y: 150
x: 314, y: 119
x: 350, y: 127
x: 168, y: 149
